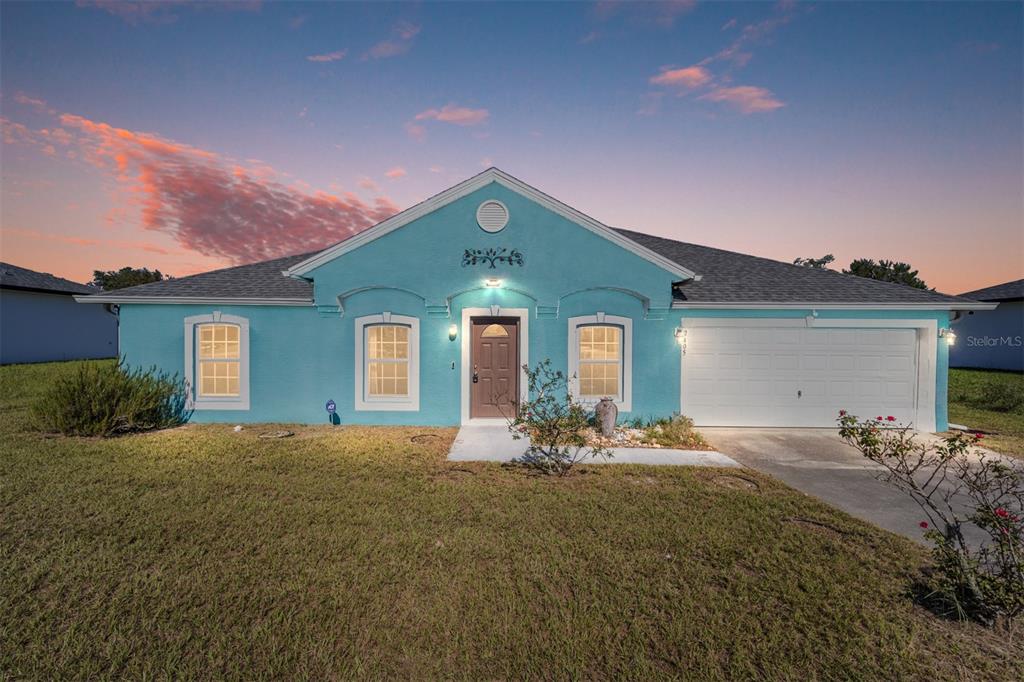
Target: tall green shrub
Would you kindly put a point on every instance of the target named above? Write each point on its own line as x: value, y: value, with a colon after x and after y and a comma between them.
x: 110, y: 399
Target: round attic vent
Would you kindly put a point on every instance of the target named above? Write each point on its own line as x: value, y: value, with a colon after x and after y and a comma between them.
x: 492, y: 216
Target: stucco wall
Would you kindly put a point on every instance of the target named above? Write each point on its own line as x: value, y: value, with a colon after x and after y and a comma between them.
x: 40, y: 327
x: 302, y: 356
x: 990, y: 339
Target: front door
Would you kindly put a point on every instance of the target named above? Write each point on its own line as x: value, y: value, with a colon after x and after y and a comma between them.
x: 494, y: 360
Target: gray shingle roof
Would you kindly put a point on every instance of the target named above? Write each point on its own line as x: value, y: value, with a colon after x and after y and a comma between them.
x: 13, y: 277
x: 261, y: 280
x: 729, y: 277
x: 1000, y: 292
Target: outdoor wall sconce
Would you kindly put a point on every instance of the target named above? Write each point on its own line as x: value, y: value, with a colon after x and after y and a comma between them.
x: 453, y: 331
x: 949, y: 335
x: 680, y: 335
x: 492, y: 282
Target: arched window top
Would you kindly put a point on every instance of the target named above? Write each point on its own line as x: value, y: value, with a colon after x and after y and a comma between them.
x: 494, y: 330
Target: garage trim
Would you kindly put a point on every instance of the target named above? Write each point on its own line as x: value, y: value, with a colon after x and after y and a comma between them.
x: 927, y: 349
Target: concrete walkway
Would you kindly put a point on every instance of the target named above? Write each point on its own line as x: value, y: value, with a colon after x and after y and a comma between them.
x: 819, y: 463
x: 489, y: 443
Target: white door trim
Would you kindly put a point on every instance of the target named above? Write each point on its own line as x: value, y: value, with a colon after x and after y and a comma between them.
x: 927, y: 350
x: 466, y: 375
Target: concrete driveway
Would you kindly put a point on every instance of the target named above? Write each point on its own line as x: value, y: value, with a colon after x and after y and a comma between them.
x: 817, y: 462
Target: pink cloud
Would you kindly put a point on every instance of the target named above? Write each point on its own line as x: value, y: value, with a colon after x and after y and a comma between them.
x: 328, y: 56
x: 686, y: 78
x: 164, y: 12
x: 662, y: 14
x: 214, y: 205
x: 398, y: 44
x: 416, y: 131
x: 34, y: 102
x: 450, y: 113
x: 396, y: 172
x: 747, y: 99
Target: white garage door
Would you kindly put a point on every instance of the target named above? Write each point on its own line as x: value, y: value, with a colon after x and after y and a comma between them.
x: 795, y: 376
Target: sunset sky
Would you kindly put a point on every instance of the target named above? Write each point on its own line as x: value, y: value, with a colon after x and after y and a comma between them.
x: 186, y: 137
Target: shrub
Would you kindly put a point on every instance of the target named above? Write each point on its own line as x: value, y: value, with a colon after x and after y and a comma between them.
x: 555, y: 422
x: 110, y: 399
x: 956, y: 487
x: 677, y: 432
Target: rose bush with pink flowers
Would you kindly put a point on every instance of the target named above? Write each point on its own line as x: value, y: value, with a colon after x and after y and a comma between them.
x: 957, y: 486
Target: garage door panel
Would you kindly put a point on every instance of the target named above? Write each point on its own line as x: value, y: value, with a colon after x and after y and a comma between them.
x: 755, y: 376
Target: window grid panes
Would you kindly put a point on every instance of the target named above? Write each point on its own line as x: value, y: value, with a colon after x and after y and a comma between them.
x: 600, y: 361
x: 219, y: 361
x: 387, y: 361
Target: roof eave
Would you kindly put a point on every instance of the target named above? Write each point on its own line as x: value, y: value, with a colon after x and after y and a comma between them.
x: 766, y: 305
x: 193, y: 300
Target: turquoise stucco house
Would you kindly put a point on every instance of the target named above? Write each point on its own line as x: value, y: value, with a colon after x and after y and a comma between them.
x: 428, y: 317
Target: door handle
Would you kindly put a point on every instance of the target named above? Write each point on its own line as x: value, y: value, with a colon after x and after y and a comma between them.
x: 476, y: 375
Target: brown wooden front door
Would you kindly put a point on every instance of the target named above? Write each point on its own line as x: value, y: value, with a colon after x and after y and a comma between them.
x: 494, y: 360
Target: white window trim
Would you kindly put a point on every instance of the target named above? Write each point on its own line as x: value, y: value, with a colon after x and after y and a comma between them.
x: 411, y: 403
x: 927, y: 350
x: 524, y: 357
x: 625, y: 401
x: 195, y: 401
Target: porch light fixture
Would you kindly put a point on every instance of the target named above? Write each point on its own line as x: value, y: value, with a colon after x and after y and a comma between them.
x: 492, y: 282
x: 453, y: 331
x: 949, y: 335
x: 680, y: 335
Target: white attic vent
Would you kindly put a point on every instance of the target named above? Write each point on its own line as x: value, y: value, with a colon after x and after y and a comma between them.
x: 492, y: 216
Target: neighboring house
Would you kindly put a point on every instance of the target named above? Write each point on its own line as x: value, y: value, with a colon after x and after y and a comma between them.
x: 427, y: 318
x: 39, y: 320
x: 992, y: 339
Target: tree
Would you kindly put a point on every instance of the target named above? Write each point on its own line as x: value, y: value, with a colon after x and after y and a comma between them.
x: 886, y: 271
x: 816, y: 263
x: 108, y: 280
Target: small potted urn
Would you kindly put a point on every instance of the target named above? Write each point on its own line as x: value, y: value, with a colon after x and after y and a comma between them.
x: 607, y: 412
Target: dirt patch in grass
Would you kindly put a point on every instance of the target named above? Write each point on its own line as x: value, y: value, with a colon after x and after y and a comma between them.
x: 817, y: 526
x: 736, y: 482
x: 357, y: 552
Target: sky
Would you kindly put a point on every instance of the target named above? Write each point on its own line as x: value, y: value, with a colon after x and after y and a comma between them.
x: 190, y: 136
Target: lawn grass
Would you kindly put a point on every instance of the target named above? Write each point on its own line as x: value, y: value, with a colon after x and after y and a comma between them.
x: 361, y: 552
x: 967, y: 389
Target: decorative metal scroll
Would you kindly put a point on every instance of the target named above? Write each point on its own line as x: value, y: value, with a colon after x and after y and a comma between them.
x: 491, y: 257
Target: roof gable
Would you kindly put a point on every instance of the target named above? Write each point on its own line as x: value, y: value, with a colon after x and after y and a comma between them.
x: 468, y: 187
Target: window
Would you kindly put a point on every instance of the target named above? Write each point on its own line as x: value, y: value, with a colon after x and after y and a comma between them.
x: 217, y: 361
x: 386, y: 362
x: 600, y: 358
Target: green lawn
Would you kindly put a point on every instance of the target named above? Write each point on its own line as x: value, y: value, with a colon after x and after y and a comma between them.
x: 969, y: 405
x: 361, y: 552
